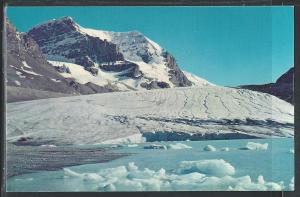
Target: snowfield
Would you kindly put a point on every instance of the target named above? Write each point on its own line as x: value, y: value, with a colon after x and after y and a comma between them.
x: 195, y: 113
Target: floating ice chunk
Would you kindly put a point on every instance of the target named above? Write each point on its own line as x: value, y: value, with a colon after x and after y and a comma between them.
x: 292, y: 151
x: 260, y: 179
x: 92, y: 176
x: 132, y: 167
x: 246, y: 184
x: 71, y: 173
x: 225, y: 149
x: 292, y: 184
x: 256, y: 146
x: 209, y: 148
x: 83, y: 176
x: 215, y: 167
x: 189, y: 175
x: 155, y: 146
x: 129, y: 185
x: 178, y: 146
x: 110, y: 188
x: 48, y: 145
x: 132, y: 145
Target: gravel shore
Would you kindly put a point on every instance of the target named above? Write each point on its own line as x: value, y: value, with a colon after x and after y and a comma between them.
x: 28, y: 159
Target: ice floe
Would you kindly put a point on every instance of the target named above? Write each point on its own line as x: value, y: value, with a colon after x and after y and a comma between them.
x: 292, y: 151
x: 155, y: 146
x: 132, y: 145
x: 209, y: 148
x: 178, y: 146
x: 48, y: 145
x: 225, y: 149
x: 256, y: 146
x: 215, y: 174
x: 292, y: 184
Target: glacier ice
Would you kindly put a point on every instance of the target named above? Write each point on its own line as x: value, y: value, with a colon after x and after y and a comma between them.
x: 177, y: 114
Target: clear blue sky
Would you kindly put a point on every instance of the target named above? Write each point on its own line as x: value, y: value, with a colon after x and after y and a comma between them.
x: 226, y: 45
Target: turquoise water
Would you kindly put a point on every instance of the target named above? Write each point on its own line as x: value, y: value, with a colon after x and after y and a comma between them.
x: 276, y: 164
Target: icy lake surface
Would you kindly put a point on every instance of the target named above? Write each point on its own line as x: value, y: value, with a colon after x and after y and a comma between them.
x: 252, y: 164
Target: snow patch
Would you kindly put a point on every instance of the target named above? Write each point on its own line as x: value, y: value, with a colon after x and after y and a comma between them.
x: 17, y: 83
x: 30, y: 72
x: 20, y: 74
x: 197, y: 81
x: 26, y: 65
x: 55, y: 80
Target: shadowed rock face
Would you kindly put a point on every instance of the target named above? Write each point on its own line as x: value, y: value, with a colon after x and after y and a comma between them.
x: 155, y: 85
x: 283, y: 88
x: 61, y: 38
x: 177, y: 77
x: 28, y: 68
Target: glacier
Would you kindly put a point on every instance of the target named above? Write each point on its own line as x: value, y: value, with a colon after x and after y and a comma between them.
x: 190, y: 113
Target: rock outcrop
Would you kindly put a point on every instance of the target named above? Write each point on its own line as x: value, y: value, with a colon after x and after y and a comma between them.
x: 283, y: 88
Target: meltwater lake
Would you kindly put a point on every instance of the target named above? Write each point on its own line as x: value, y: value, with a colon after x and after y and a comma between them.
x: 250, y: 164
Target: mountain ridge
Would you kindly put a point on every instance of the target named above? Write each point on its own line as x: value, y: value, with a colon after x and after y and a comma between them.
x: 145, y: 61
x: 283, y: 88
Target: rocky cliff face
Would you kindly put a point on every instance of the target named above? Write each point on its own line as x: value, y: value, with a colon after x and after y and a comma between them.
x: 283, y: 88
x: 61, y: 39
x: 135, y: 59
x: 27, y: 67
x: 177, y: 76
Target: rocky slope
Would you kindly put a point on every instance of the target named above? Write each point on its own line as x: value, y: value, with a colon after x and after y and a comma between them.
x: 194, y: 113
x: 27, y: 68
x: 126, y: 60
x: 283, y: 88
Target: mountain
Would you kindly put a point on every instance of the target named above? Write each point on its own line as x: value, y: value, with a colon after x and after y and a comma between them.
x: 123, y: 60
x: 28, y: 71
x: 188, y: 113
x: 283, y: 88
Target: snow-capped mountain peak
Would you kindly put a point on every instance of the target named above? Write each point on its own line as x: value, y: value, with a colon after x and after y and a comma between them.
x: 137, y: 61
